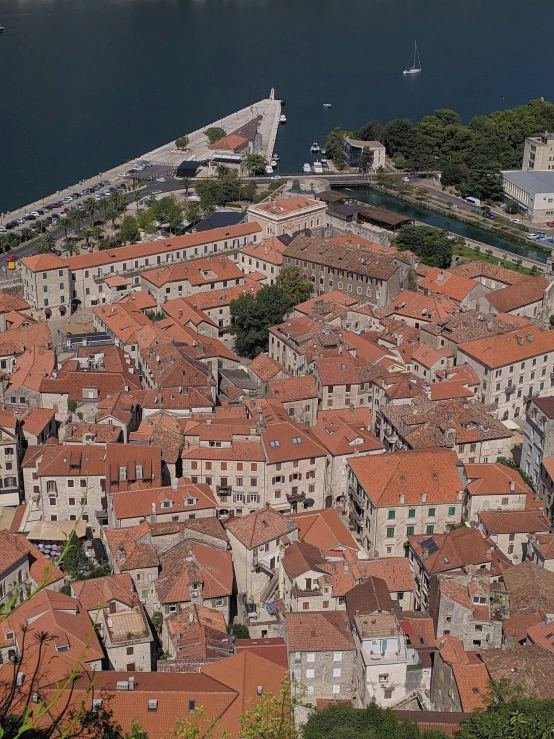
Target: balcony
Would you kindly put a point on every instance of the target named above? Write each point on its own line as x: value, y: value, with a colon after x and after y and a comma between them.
x: 358, y: 498
x: 101, y: 514
x: 358, y: 515
x: 224, y: 489
x: 510, y: 390
x: 296, y: 497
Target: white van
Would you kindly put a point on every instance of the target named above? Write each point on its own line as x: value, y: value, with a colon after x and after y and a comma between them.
x: 474, y: 201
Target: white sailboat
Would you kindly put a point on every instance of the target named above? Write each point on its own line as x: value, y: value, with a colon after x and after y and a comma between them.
x: 416, y: 66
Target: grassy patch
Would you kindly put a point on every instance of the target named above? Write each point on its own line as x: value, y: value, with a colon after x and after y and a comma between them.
x: 469, y: 253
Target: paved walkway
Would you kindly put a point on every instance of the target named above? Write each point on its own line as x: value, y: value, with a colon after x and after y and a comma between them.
x: 169, y: 156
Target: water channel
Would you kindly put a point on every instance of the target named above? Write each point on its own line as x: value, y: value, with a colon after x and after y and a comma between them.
x: 382, y: 200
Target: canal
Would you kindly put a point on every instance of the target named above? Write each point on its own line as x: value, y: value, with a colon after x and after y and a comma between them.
x: 372, y: 197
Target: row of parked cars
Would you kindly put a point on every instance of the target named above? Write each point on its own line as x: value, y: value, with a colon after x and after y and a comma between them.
x: 33, y: 218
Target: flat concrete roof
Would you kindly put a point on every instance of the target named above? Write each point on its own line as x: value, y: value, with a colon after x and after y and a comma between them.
x: 541, y: 181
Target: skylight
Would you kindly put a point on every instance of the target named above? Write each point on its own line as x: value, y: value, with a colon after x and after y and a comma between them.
x: 274, y: 443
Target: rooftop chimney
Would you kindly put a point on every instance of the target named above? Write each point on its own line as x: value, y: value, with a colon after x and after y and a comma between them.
x: 423, y: 497
x: 512, y: 486
x: 401, y: 500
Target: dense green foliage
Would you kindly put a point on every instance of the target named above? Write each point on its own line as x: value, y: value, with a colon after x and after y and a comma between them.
x: 345, y: 722
x: 255, y: 163
x: 182, y: 142
x: 516, y: 719
x: 430, y: 244
x: 470, y: 156
x: 224, y: 188
x: 164, y: 211
x: 76, y: 559
x: 129, y: 230
x: 214, y: 133
x: 154, y: 315
x: 295, y: 286
x: 252, y: 316
x: 510, y: 463
x: 239, y: 631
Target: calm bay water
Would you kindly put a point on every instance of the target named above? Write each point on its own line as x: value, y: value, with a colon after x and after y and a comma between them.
x: 86, y: 84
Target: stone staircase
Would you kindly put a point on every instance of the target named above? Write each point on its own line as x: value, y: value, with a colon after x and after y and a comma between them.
x: 269, y: 589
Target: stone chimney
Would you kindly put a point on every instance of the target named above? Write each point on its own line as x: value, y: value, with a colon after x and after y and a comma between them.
x: 401, y: 499
x: 423, y: 497
x: 512, y: 486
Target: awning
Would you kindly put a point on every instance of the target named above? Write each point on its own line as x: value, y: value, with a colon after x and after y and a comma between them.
x: 58, y: 531
x: 308, y: 502
x: 63, y: 309
x: 47, y: 312
x: 406, y: 628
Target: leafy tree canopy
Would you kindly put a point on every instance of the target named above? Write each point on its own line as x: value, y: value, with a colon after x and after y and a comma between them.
x: 129, y: 230
x: 295, y: 286
x: 182, y: 142
x: 76, y: 559
x: 214, y: 133
x: 239, y: 631
x: 255, y: 163
x: 430, y: 244
x: 252, y: 316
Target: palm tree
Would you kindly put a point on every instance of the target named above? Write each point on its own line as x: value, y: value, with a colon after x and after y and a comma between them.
x: 91, y: 206
x: 66, y: 224
x: 136, y: 197
x: 187, y: 182
x: 117, y: 201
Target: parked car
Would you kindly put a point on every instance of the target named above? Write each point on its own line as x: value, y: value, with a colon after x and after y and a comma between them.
x: 515, y: 220
x: 405, y: 179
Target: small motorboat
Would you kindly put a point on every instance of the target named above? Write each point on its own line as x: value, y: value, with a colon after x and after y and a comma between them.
x: 314, y: 148
x: 327, y: 105
x: 269, y: 169
x: 282, y: 118
x: 307, y: 168
x: 273, y: 162
x: 276, y: 157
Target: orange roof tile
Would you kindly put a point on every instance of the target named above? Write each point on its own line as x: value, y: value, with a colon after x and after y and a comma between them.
x: 232, y: 142
x: 260, y: 527
x: 422, y: 307
x: 266, y: 368
x: 285, y: 206
x: 443, y: 282
x: 190, y: 563
x: 386, y: 477
x: 284, y: 442
x: 219, y: 298
x: 269, y: 250
x: 197, y: 272
x: 473, y: 686
x: 494, y: 479
x: 324, y: 529
x: 318, y: 631
x: 44, y: 262
x: 518, y: 295
x: 182, y: 312
x: 98, y: 592
x: 515, y: 346
x: 294, y: 388
x: 138, y: 503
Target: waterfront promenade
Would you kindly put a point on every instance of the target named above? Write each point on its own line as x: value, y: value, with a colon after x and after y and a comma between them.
x: 170, y: 157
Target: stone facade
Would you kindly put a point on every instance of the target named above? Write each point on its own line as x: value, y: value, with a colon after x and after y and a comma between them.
x: 538, y: 438
x: 324, y: 674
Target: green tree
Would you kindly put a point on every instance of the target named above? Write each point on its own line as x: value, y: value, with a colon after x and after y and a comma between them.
x: 72, y: 406
x: 366, y: 159
x: 129, y: 230
x: 372, y: 131
x: 182, y: 142
x: 255, y: 163
x: 45, y: 245
x: 430, y: 244
x: 155, y: 316
x: 186, y: 182
x: 397, y: 137
x: 145, y: 221
x: 192, y: 212
x: 294, y: 285
x: 272, y: 716
x: 335, y: 148
x: 252, y: 316
x: 136, y: 732
x: 76, y: 558
x: 239, y: 631
x: 215, y: 133
x: 248, y: 190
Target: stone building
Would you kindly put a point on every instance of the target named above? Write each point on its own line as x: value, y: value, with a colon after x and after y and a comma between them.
x: 360, y: 272
x: 322, y: 654
x: 510, y: 530
x: 277, y: 216
x: 461, y: 604
x: 399, y: 495
x: 47, y: 283
x: 299, y: 396
x: 538, y: 437
x: 265, y: 257
x: 460, y: 681
x: 493, y: 487
x: 511, y: 367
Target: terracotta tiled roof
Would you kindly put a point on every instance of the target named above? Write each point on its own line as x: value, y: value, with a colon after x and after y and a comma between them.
x: 471, y: 325
x: 283, y: 206
x: 544, y: 543
x: 269, y: 250
x: 326, y: 303
x: 421, y: 631
x: 260, y: 527
x: 103, y: 433
x: 452, y: 651
x: 342, y: 256
x: 370, y: 596
x: 266, y: 368
x: 472, y: 682
x: 97, y: 593
x: 514, y: 522
x: 427, y: 356
x: 12, y: 302
x: 459, y: 548
x: 385, y: 477
x: 530, y: 589
x: 395, y: 571
x: 44, y: 262
x: 319, y: 631
x: 138, y: 503
x: 518, y: 626
x: 197, y: 272
x: 71, y: 460
x: 163, y: 430
x: 294, y: 388
x: 347, y: 370
x: 515, y: 346
x: 301, y: 557
x: 444, y: 282
x: 131, y: 548
x: 543, y: 635
x: 284, y: 442
x: 120, y: 323
x: 33, y: 365
x: 273, y: 649
x: 450, y: 390
x: 250, y: 451
x: 494, y: 478
x: 194, y: 563
x: 324, y: 529
x: 518, y: 295
x: 198, y: 632
x: 423, y: 308
x: 10, y: 553
x: 480, y: 268
x: 230, y: 143
x: 35, y: 420
x: 182, y: 312
x: 219, y: 298
x: 530, y: 666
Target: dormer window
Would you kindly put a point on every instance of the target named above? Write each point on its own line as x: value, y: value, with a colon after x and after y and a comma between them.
x: 296, y: 440
x: 166, y: 504
x: 139, y: 472
x: 190, y: 501
x: 123, y: 473
x: 274, y: 443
